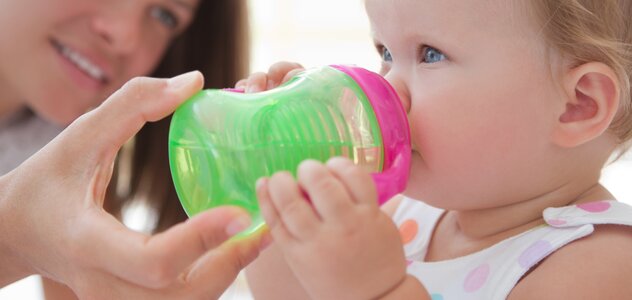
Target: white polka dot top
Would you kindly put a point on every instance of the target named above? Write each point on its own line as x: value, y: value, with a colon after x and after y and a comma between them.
x: 493, y: 272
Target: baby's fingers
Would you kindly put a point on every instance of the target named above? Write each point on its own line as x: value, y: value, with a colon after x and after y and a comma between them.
x: 291, y: 74
x: 241, y: 84
x: 285, y: 210
x: 155, y: 261
x: 281, y: 72
x: 277, y: 74
x: 358, y: 183
x: 329, y: 196
x: 256, y: 82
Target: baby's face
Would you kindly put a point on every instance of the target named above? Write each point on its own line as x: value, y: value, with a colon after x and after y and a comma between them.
x: 475, y: 79
x: 62, y: 57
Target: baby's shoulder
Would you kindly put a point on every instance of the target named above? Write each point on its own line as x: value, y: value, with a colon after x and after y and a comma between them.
x: 598, y: 266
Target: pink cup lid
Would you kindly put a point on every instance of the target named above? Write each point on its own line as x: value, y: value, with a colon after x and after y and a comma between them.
x: 393, y: 123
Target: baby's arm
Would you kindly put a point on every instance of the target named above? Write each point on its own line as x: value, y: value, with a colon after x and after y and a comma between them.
x: 269, y: 277
x: 596, y: 267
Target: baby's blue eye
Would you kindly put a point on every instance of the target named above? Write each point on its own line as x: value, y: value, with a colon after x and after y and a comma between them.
x: 386, y: 55
x: 164, y: 16
x: 431, y: 55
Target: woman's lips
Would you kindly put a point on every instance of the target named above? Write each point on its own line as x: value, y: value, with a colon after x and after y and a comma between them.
x: 91, y: 74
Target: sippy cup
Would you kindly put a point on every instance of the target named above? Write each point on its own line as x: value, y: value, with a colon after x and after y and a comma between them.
x: 222, y: 141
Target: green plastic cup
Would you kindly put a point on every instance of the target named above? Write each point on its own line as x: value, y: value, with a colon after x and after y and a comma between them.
x: 222, y: 141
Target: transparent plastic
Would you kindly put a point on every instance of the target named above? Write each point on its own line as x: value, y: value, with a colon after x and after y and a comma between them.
x: 222, y: 141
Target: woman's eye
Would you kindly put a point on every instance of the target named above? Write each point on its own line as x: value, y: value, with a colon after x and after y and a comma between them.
x: 431, y: 55
x: 165, y: 16
x: 386, y: 55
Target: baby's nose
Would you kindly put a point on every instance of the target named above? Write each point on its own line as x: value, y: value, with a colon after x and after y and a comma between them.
x: 401, y: 89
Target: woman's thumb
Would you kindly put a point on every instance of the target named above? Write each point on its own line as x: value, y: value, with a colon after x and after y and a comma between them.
x: 142, y: 99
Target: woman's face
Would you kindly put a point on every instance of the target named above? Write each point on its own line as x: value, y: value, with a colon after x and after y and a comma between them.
x: 63, y: 57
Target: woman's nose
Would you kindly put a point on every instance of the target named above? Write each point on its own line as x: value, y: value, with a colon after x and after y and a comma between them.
x: 400, y: 88
x: 119, y: 24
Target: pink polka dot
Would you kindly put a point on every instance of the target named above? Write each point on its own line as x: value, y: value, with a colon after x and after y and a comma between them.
x: 595, y: 207
x: 534, y: 253
x: 556, y: 222
x: 476, y: 278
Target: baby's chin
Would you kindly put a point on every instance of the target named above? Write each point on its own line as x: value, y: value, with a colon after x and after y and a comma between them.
x: 414, y: 193
x: 437, y: 202
x: 417, y: 177
x: 433, y: 195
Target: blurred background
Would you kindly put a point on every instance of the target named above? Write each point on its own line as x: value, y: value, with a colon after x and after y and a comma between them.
x: 317, y: 33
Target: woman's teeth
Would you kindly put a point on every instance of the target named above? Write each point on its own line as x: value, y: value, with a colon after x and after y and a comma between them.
x: 82, y: 63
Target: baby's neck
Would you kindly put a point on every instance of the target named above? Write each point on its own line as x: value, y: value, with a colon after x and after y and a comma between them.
x: 460, y: 233
x: 502, y: 222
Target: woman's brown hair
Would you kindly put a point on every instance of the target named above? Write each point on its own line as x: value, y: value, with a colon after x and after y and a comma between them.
x: 216, y: 43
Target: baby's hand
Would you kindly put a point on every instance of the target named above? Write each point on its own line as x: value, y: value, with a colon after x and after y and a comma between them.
x: 342, y: 246
x: 277, y: 74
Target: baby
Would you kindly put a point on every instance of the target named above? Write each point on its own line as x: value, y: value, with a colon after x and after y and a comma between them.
x: 514, y: 109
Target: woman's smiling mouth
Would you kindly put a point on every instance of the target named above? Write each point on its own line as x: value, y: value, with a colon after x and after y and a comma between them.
x: 82, y: 63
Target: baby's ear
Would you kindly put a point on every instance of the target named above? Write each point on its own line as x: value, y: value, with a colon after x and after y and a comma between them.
x: 591, y: 102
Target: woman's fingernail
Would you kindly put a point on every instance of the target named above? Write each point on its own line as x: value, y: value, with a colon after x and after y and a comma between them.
x: 237, y: 225
x: 183, y: 79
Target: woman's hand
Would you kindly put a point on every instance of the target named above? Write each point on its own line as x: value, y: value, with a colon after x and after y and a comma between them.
x: 277, y: 74
x: 342, y: 246
x: 52, y: 221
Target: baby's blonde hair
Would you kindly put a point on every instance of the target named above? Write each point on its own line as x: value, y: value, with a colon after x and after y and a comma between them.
x: 594, y: 30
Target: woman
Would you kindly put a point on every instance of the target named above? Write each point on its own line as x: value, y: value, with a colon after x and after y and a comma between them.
x: 89, y: 50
